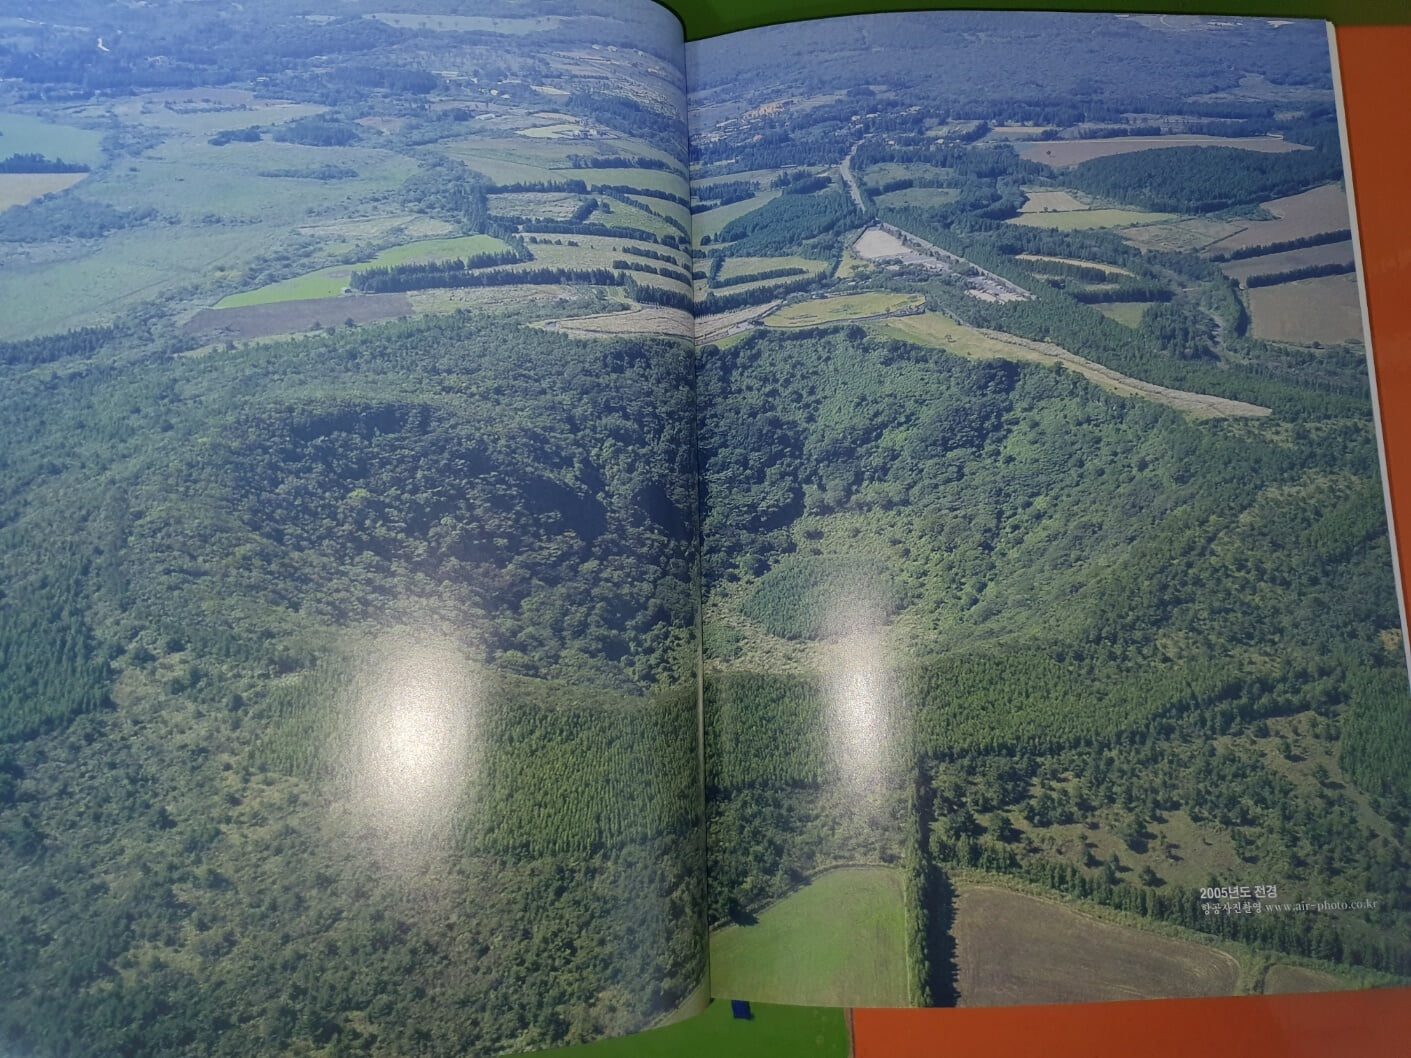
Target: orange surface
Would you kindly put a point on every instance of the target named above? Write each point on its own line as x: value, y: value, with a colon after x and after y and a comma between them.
x: 1376, y: 76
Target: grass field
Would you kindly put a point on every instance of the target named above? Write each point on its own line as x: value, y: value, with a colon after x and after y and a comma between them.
x: 816, y: 311
x: 548, y: 155
x: 1050, y: 202
x: 838, y: 940
x: 647, y: 319
x: 772, y: 1032
x: 1017, y: 132
x: 1127, y: 313
x: 551, y: 205
x: 497, y: 299
x: 712, y: 220
x: 919, y: 196
x: 1064, y: 153
x: 18, y: 188
x: 22, y: 134
x: 1309, y: 213
x: 1328, y: 253
x: 500, y: 170
x: 1080, y: 219
x: 195, y: 181
x: 885, y: 172
x: 329, y: 282
x: 1015, y: 949
x: 205, y: 122
x: 740, y: 266
x: 1283, y: 979
x: 850, y: 263
x: 561, y: 131
x: 1326, y: 310
x: 1179, y: 236
x: 339, y: 236
x: 933, y: 329
x: 129, y: 266
x: 294, y: 317
x: 1111, y: 270
x: 762, y: 177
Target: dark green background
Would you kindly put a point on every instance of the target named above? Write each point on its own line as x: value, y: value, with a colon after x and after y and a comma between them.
x: 706, y: 18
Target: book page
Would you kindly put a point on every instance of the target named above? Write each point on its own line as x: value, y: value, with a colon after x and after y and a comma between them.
x: 1052, y: 645
x: 347, y: 529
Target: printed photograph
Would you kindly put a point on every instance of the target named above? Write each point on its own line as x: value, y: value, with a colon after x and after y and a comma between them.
x: 1052, y: 646
x: 347, y: 593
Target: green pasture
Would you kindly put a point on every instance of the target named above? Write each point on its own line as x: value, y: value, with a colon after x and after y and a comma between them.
x: 816, y: 311
x: 188, y: 179
x: 919, y: 196
x: 712, y: 220
x: 1080, y: 219
x: 762, y: 177
x: 329, y: 282
x: 883, y: 172
x: 22, y: 134
x: 1127, y: 313
x: 127, y: 268
x: 741, y: 266
x: 839, y: 939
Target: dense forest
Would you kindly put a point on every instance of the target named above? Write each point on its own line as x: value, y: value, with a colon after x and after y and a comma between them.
x: 487, y: 487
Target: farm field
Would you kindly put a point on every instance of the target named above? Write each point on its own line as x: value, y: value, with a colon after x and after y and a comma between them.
x: 1062, y: 154
x: 1109, y: 269
x: 773, y: 1031
x: 762, y: 177
x: 196, y: 182
x: 850, y: 263
x: 1011, y: 133
x: 552, y: 205
x: 128, y: 267
x: 741, y: 266
x: 1308, y: 213
x: 875, y: 176
x: 919, y: 196
x: 330, y: 282
x: 1283, y: 979
x: 26, y: 134
x: 840, y: 308
x: 1288, y: 260
x: 18, y: 188
x: 1326, y: 310
x: 647, y: 319
x: 1182, y: 236
x: 499, y: 298
x: 797, y: 952
x: 930, y: 328
x: 711, y: 221
x: 1012, y: 948
x: 340, y: 236
x: 1080, y: 219
x: 264, y: 319
x: 1050, y: 202
x: 1127, y: 313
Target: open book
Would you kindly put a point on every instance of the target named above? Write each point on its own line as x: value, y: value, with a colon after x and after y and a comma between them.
x: 512, y: 525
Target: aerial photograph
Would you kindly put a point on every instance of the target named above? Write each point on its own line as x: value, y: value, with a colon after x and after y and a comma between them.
x: 512, y: 525
x: 347, y: 597
x: 1052, y: 647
